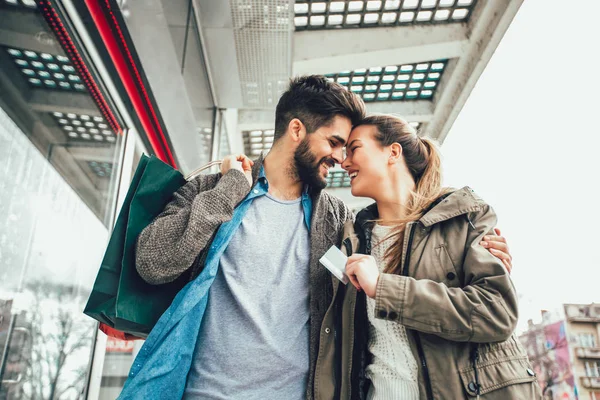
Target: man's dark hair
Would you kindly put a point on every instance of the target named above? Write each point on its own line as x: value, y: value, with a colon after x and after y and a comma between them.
x: 316, y: 101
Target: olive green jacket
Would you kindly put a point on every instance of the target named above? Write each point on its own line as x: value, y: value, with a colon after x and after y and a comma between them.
x: 455, y: 299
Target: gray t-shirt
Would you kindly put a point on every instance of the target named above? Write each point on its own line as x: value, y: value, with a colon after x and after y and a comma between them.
x: 254, y: 338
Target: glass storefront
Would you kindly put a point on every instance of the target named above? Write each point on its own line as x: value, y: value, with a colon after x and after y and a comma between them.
x: 50, y: 244
x: 60, y: 156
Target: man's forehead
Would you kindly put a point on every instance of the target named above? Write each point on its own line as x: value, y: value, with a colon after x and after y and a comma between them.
x: 339, y: 129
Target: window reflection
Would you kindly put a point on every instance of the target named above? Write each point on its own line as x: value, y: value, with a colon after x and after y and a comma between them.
x: 59, y: 156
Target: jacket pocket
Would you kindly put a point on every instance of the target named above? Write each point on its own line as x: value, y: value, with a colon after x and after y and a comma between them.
x: 448, y: 273
x: 497, y: 374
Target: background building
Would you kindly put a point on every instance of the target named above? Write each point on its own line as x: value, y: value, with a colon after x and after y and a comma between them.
x: 565, y: 353
x: 550, y: 355
x: 583, y: 328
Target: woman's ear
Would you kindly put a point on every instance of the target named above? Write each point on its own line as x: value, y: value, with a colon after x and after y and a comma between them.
x: 296, y: 130
x: 395, y: 153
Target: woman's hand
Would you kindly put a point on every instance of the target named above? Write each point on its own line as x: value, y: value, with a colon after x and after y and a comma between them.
x: 497, y: 245
x: 239, y: 162
x: 363, y: 273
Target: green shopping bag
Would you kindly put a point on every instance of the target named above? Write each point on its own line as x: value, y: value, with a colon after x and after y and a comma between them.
x: 120, y: 298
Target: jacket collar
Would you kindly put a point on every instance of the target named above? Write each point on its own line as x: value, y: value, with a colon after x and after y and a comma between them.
x: 459, y: 202
x: 448, y: 206
x: 366, y: 215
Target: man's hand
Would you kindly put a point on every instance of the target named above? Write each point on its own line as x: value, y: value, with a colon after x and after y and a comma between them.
x: 239, y: 162
x: 496, y: 244
x: 363, y: 273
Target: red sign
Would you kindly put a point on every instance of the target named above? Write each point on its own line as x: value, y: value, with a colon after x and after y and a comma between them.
x: 119, y: 346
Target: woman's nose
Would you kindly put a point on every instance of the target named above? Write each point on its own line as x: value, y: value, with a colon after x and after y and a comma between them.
x: 346, y: 163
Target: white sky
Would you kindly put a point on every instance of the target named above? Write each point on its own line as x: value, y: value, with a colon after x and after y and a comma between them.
x: 528, y: 142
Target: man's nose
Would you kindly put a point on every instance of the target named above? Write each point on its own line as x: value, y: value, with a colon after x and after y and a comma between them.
x: 338, y: 156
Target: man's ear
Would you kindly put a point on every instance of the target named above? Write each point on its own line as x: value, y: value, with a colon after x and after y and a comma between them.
x: 395, y: 153
x: 296, y: 130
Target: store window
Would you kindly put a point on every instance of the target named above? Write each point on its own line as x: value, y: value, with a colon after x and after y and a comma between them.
x: 60, y: 152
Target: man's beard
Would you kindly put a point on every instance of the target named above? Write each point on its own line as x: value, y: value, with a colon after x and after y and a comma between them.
x: 307, y: 168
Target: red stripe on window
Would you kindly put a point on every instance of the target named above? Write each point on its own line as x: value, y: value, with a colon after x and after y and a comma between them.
x: 139, y: 100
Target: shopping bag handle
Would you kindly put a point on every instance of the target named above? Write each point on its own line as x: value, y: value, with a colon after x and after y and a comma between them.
x: 197, y: 171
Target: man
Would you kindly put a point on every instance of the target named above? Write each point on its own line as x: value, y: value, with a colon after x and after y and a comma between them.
x: 251, y: 237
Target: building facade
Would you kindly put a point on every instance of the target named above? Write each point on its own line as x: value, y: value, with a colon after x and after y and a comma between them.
x: 583, y: 328
x: 565, y: 353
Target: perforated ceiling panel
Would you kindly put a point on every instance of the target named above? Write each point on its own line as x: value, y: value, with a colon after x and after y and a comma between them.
x: 263, y: 32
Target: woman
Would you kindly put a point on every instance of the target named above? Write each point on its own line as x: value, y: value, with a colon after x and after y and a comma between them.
x: 431, y: 314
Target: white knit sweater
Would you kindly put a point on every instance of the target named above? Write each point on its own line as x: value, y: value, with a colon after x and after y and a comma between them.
x: 393, y: 371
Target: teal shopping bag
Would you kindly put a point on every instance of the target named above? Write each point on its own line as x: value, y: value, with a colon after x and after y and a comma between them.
x: 120, y: 298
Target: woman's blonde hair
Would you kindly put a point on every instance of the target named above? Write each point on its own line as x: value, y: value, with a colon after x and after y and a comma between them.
x: 423, y: 160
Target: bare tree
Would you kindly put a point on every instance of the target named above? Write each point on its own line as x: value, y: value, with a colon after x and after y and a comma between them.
x: 61, y: 342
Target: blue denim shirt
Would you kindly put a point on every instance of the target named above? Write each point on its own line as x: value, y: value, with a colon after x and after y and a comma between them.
x: 162, y: 365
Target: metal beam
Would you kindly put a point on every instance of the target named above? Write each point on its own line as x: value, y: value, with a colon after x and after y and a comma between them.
x: 28, y: 42
x: 486, y: 28
x: 253, y: 119
x: 255, y: 126
x: 216, y: 27
x: 44, y: 100
x: 417, y: 110
x: 150, y: 32
x: 326, y: 51
x: 189, y: 47
x: 87, y: 153
x: 194, y: 76
x: 230, y: 121
x: 26, y: 30
x: 83, y: 184
x: 250, y: 116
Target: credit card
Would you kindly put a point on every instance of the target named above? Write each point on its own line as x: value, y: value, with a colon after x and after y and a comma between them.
x: 335, y: 261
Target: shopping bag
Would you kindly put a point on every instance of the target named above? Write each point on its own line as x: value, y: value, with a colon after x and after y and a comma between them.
x: 120, y: 298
